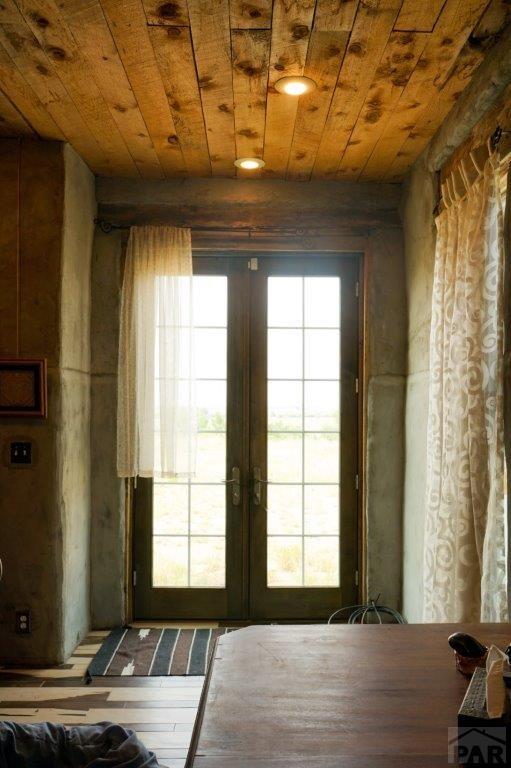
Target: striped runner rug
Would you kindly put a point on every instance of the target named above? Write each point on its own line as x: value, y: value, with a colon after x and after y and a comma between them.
x: 155, y: 652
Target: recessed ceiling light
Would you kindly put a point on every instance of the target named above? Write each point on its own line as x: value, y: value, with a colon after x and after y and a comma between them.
x: 295, y: 86
x: 249, y: 163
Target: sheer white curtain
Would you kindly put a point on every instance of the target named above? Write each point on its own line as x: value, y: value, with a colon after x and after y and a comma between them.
x: 156, y: 417
x: 465, y: 561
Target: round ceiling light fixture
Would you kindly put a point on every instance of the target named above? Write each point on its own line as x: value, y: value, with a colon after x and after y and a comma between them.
x: 295, y: 86
x: 249, y: 163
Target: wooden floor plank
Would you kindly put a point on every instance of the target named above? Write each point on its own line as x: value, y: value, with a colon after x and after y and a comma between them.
x: 139, y: 695
x: 161, y: 710
x: 99, y: 714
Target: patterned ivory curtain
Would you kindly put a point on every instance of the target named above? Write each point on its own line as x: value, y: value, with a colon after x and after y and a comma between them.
x: 465, y: 559
x: 156, y: 415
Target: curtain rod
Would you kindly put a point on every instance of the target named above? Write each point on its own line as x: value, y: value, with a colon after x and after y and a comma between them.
x: 494, y: 142
x: 108, y: 226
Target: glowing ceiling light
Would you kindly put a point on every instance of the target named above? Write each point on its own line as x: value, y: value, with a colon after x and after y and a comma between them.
x: 249, y: 163
x: 295, y: 86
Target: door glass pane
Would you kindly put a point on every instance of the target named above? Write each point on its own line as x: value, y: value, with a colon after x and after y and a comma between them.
x: 321, y: 406
x: 322, y: 298
x: 285, y: 452
x: 285, y: 405
x: 170, y: 561
x: 285, y: 354
x: 211, y: 400
x: 284, y: 510
x: 285, y: 302
x: 207, y: 566
x: 210, y: 301
x: 210, y: 347
x: 321, y: 561
x: 189, y: 518
x: 207, y: 507
x: 303, y: 432
x: 321, y: 509
x: 321, y: 354
x: 170, y: 504
x: 285, y: 559
x: 321, y: 457
x: 210, y: 457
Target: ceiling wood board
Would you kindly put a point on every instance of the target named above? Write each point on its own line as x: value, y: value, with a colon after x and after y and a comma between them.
x: 142, y: 88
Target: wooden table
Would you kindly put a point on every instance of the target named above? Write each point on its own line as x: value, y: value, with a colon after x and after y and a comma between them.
x: 332, y: 696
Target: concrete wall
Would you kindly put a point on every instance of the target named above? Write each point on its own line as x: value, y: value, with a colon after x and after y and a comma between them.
x: 75, y: 363
x: 385, y: 368
x: 45, y: 235
x: 108, y: 519
x: 419, y: 200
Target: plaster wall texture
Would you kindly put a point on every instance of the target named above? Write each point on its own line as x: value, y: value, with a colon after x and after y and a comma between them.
x: 44, y: 507
x: 419, y: 200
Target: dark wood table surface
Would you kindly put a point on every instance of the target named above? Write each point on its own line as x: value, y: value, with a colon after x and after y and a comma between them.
x: 333, y: 696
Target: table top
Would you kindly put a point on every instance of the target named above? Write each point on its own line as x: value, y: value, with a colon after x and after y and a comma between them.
x: 339, y: 696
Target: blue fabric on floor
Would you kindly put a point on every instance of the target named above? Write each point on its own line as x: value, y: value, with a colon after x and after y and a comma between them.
x: 44, y: 745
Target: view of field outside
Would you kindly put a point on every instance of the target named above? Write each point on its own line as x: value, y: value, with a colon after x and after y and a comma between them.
x: 189, y: 517
x: 303, y: 443
x: 303, y: 431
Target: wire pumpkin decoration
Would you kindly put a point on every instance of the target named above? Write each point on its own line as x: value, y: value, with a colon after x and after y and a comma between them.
x: 360, y: 614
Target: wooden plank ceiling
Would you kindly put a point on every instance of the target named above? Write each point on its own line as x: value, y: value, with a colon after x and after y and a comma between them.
x: 161, y: 89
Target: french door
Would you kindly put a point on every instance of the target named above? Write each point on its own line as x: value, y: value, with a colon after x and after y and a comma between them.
x: 267, y: 528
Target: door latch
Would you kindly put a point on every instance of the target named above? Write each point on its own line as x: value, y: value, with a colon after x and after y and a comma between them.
x: 257, y: 485
x: 235, y: 483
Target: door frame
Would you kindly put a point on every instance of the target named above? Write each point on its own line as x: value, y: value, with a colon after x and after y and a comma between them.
x: 211, y: 603
x: 277, y: 603
x: 358, y: 250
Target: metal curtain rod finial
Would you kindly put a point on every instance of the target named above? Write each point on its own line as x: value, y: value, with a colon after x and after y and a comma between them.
x: 107, y: 226
x: 496, y: 136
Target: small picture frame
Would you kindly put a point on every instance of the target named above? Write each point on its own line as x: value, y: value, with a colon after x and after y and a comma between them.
x: 23, y: 387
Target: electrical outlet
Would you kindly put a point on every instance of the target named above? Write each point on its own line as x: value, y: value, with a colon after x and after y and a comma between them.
x: 23, y: 622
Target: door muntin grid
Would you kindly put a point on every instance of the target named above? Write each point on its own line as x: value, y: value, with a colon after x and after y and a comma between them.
x: 189, y: 516
x: 303, y: 423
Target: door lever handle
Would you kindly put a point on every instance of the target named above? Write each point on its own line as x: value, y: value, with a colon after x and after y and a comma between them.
x: 235, y: 482
x: 257, y: 485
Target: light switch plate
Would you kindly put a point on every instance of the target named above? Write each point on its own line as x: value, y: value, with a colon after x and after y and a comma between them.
x: 21, y: 453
